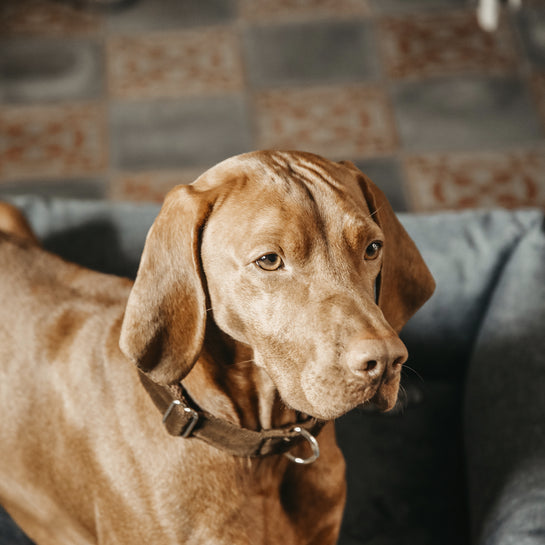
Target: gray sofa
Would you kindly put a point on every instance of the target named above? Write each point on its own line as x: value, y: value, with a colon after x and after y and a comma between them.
x: 464, y: 461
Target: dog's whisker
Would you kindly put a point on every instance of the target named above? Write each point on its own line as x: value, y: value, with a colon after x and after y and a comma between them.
x: 408, y: 368
x: 245, y: 361
x: 375, y: 212
x: 402, y: 400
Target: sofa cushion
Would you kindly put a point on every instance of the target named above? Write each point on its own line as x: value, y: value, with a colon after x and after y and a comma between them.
x: 406, y: 471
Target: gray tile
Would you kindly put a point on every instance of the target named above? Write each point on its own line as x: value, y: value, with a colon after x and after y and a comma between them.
x: 406, y: 6
x: 40, y: 70
x: 311, y: 53
x: 531, y: 23
x: 74, y: 189
x: 168, y: 14
x: 170, y: 134
x: 465, y: 114
x: 386, y: 173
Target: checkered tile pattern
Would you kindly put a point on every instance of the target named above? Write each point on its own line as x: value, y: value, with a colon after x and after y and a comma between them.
x: 126, y: 99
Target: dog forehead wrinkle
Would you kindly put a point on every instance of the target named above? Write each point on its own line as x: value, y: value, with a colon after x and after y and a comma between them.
x: 307, y: 178
x: 323, y: 175
x: 328, y: 188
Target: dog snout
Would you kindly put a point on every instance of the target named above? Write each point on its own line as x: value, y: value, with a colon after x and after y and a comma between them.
x: 372, y: 358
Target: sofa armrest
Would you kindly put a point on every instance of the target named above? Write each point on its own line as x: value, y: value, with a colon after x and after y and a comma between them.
x: 505, y: 403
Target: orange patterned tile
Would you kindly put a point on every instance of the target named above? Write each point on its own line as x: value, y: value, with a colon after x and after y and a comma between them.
x: 174, y: 64
x: 150, y: 186
x: 479, y: 180
x: 427, y: 45
x: 51, y: 141
x: 340, y: 122
x: 265, y: 10
x: 46, y: 18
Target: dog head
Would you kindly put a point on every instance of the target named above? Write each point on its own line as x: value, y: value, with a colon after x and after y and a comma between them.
x: 300, y: 258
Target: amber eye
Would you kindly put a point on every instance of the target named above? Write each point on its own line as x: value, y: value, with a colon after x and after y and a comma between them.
x: 373, y: 250
x: 270, y: 262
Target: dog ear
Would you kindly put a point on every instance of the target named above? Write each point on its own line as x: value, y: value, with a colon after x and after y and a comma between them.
x: 164, y: 323
x: 405, y: 282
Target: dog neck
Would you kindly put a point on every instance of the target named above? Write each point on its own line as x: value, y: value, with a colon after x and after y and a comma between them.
x: 231, y: 386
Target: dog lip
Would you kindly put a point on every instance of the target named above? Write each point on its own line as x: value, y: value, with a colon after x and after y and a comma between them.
x: 377, y: 402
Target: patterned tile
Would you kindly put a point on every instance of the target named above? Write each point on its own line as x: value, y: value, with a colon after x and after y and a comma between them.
x: 310, y: 53
x: 337, y: 122
x: 267, y: 10
x: 46, y: 18
x: 174, y: 64
x: 456, y: 181
x: 150, y: 186
x: 173, y: 134
x: 465, y: 113
x: 45, y: 69
x: 429, y: 45
x: 179, y: 85
x: 52, y: 141
x: 170, y: 14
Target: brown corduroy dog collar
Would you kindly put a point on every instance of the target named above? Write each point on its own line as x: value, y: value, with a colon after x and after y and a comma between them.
x: 183, y: 418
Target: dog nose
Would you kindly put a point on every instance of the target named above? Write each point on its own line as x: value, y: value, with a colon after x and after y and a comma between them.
x: 373, y: 357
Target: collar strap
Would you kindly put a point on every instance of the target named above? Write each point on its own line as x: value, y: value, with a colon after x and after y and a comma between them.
x: 183, y: 418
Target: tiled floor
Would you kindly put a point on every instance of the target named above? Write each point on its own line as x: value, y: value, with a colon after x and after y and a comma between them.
x: 128, y: 99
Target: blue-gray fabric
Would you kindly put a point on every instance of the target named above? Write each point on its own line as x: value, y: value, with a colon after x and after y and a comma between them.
x: 505, y: 402
x: 466, y: 457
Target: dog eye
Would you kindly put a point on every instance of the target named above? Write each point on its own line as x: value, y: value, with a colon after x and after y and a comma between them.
x: 270, y: 262
x: 373, y: 250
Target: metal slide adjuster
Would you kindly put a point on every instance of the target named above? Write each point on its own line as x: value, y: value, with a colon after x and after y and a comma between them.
x: 313, y: 445
x: 194, y: 417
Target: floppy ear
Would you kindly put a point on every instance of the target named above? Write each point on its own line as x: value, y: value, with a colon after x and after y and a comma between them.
x: 164, y: 323
x: 405, y: 282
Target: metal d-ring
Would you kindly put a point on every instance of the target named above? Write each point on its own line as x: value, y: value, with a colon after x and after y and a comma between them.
x: 313, y: 445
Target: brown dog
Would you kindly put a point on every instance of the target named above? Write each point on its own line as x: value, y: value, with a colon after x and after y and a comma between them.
x: 257, y: 289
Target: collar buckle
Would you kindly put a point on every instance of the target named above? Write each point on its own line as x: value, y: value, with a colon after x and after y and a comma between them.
x: 191, y: 416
